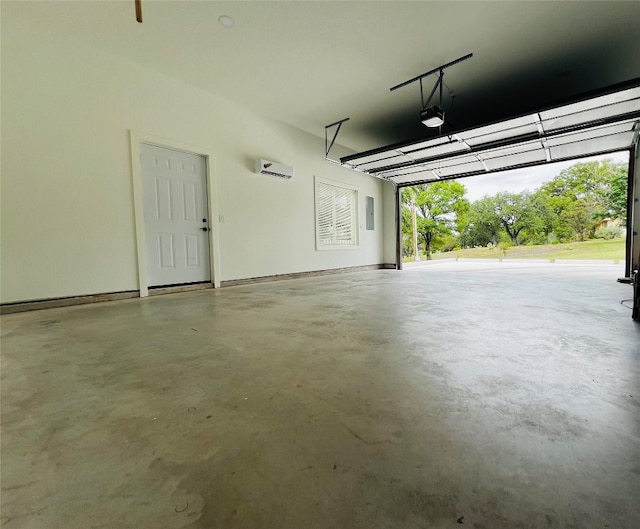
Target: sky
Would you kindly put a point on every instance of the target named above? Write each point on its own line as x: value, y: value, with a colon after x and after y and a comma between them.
x: 529, y: 178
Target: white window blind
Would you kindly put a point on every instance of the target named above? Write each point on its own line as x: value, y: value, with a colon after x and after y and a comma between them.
x: 336, y: 215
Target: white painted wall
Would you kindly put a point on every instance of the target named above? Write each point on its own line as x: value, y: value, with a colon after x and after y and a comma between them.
x: 67, y: 202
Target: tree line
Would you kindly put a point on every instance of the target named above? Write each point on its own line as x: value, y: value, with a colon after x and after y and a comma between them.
x: 570, y: 207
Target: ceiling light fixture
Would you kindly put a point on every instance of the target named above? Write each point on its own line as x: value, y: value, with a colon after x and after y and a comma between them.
x: 226, y: 21
x: 432, y: 116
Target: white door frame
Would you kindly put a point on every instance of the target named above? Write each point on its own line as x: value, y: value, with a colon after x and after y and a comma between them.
x: 135, y: 139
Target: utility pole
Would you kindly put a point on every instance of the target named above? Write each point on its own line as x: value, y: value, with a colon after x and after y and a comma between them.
x: 414, y: 221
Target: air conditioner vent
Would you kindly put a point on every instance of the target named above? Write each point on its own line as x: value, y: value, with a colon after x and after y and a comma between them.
x: 274, y: 169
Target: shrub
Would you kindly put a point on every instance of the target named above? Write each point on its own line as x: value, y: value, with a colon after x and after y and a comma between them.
x: 610, y: 232
x: 448, y: 243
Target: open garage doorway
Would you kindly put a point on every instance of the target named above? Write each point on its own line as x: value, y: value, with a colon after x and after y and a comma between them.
x: 604, y: 123
x: 573, y: 210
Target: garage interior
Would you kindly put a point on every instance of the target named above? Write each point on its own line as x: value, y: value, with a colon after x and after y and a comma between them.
x: 320, y: 386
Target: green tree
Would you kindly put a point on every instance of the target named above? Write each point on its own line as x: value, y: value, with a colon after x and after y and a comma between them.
x: 518, y: 213
x: 540, y: 229
x: 585, y: 193
x: 438, y: 206
x: 440, y: 209
x: 462, y: 227
x: 617, y: 196
x: 484, y: 226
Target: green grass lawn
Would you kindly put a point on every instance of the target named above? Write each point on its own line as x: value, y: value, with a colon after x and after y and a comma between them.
x: 595, y: 249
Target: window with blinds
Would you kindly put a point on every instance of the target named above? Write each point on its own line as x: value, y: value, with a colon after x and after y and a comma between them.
x: 336, y: 215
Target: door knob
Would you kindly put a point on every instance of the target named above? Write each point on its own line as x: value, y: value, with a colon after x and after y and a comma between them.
x: 204, y: 229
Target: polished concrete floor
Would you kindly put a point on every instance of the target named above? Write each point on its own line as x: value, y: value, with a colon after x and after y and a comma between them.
x: 461, y: 394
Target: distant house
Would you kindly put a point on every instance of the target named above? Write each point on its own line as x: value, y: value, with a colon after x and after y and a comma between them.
x: 612, y: 223
x: 607, y: 223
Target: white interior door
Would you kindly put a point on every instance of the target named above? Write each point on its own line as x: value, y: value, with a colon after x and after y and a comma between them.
x: 176, y: 218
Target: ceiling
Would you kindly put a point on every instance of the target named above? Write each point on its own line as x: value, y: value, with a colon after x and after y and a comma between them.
x: 312, y: 63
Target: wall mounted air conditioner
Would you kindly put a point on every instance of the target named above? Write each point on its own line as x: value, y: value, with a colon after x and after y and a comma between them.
x: 274, y: 169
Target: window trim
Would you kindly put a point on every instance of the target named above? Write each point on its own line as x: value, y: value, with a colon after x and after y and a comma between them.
x: 355, y: 218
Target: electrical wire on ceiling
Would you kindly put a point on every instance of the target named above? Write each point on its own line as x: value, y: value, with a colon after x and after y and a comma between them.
x: 138, y: 6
